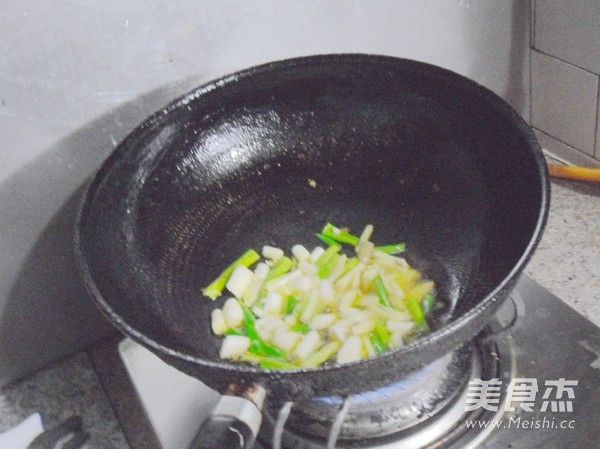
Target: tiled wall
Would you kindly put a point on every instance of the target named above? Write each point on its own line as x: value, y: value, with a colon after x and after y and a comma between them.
x: 565, y: 78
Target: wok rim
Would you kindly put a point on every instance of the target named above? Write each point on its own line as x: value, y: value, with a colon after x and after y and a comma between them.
x: 239, y: 369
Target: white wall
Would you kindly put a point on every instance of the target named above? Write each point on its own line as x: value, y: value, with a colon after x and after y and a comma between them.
x: 77, y: 75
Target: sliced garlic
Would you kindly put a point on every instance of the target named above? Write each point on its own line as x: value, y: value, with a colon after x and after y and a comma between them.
x: 233, y: 313
x: 300, y: 252
x: 218, y: 324
x: 239, y: 280
x: 272, y: 253
x: 234, y: 346
x: 309, y: 344
x: 351, y: 350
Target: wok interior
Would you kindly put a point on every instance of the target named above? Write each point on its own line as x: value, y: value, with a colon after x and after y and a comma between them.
x: 271, y: 157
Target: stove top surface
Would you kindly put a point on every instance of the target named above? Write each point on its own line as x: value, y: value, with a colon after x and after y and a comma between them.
x: 544, y: 393
x: 558, y: 351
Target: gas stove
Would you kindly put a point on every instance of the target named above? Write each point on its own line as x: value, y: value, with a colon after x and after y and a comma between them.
x: 423, y: 408
x: 531, y: 379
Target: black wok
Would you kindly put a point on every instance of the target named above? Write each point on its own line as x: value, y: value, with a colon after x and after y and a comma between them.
x: 428, y: 156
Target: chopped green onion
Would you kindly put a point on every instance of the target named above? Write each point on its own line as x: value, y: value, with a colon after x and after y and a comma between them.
x: 416, y: 311
x: 303, y: 328
x: 339, y: 235
x: 249, y: 323
x: 382, y: 292
x: 325, y: 270
x: 327, y: 240
x: 302, y: 305
x: 382, y: 333
x: 307, y: 299
x: 290, y: 304
x: 251, y: 358
x: 260, y: 347
x: 281, y: 267
x: 350, y: 264
x: 380, y: 338
x: 377, y: 343
x: 329, y: 254
x: 396, y: 248
x: 215, y: 288
x: 257, y: 344
x: 322, y: 355
x: 274, y: 363
x: 428, y: 304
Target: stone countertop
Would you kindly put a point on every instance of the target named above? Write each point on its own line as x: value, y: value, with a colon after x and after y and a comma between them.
x: 567, y: 260
x: 68, y: 388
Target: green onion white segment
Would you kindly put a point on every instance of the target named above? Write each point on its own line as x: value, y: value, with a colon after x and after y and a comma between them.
x: 310, y: 307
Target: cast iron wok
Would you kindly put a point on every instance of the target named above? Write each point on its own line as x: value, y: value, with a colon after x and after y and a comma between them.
x: 269, y: 155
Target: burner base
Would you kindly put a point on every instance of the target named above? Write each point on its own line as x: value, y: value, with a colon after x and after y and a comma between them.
x: 398, y: 416
x: 549, y: 341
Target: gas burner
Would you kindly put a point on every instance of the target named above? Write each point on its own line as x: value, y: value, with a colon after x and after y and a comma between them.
x: 177, y: 404
x: 426, y: 408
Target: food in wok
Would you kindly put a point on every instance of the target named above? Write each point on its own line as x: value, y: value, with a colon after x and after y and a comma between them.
x: 312, y: 307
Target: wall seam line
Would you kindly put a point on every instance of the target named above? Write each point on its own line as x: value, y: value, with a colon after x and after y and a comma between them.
x: 537, y: 128
x: 566, y: 62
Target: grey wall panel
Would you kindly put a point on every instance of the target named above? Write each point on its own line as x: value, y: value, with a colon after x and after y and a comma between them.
x: 569, y: 30
x: 564, y: 101
x: 564, y: 152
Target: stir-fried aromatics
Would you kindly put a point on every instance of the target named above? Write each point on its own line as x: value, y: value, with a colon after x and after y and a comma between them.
x: 302, y: 310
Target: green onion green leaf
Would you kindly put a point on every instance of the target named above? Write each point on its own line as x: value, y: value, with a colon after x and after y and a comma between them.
x: 339, y: 235
x: 396, y: 248
x: 215, y: 288
x: 382, y: 292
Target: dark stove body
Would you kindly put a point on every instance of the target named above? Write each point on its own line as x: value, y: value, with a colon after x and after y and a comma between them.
x: 551, y: 341
x: 536, y: 339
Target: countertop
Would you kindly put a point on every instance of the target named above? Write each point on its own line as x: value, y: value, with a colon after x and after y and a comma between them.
x: 567, y: 260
